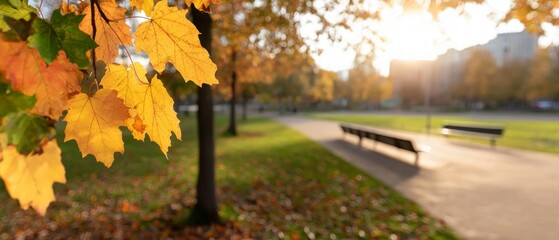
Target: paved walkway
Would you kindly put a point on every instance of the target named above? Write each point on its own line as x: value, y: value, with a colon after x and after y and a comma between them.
x: 481, y: 192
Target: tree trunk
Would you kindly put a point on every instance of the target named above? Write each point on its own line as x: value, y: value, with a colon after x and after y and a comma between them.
x: 205, y: 210
x: 232, y: 129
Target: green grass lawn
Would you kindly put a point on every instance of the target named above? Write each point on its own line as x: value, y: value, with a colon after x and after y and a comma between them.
x: 273, y: 183
x: 531, y: 135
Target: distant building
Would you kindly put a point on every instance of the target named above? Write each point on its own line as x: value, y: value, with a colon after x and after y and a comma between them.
x: 511, y: 46
x: 446, y: 71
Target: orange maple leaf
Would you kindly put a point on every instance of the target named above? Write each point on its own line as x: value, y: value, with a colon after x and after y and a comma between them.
x: 29, y: 73
x: 94, y: 123
x: 170, y: 37
x: 29, y: 178
x: 109, y: 34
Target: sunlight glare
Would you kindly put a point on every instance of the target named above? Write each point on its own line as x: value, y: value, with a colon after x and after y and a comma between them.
x: 411, y: 36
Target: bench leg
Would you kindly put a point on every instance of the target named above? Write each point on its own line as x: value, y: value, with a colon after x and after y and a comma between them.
x: 416, y: 159
x: 360, y: 140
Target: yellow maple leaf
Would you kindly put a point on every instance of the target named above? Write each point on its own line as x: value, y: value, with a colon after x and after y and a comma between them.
x: 202, y: 5
x: 109, y: 34
x: 29, y: 179
x: 145, y: 5
x: 127, y: 82
x: 29, y: 73
x: 158, y: 115
x: 154, y: 113
x: 94, y: 123
x: 169, y: 37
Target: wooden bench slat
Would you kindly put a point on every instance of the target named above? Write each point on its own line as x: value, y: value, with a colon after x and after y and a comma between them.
x: 485, y: 132
x: 476, y: 129
x: 407, y: 145
x: 399, y: 143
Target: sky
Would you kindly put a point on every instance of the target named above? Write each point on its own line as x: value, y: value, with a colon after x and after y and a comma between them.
x: 415, y: 35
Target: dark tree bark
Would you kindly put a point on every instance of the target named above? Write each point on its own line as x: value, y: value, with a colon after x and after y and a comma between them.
x: 205, y: 211
x: 232, y: 129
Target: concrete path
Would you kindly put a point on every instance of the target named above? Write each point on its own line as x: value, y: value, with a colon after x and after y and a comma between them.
x: 481, y: 192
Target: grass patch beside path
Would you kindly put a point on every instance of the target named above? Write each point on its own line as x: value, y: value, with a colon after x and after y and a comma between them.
x: 273, y: 183
x: 540, y: 136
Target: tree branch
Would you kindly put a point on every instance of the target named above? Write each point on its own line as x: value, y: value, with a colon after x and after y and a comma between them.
x: 93, y: 57
x: 103, y: 16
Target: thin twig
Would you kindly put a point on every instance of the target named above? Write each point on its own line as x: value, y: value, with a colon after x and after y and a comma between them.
x: 101, y: 12
x: 129, y: 17
x: 39, y: 9
x: 107, y: 20
x: 93, y: 57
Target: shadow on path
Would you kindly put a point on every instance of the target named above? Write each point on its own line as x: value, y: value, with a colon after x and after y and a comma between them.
x: 402, y: 170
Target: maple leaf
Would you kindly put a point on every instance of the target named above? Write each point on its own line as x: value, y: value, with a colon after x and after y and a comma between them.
x: 127, y: 82
x: 109, y: 34
x: 158, y: 115
x: 15, y: 10
x: 29, y: 178
x: 170, y: 37
x: 16, y: 60
x: 202, y: 5
x: 60, y: 71
x: 94, y: 123
x: 25, y: 131
x: 154, y: 113
x: 61, y: 34
x: 145, y: 5
x: 29, y: 73
x: 13, y: 101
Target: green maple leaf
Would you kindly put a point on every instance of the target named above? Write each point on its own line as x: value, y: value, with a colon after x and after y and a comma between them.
x: 15, y: 9
x: 25, y: 131
x: 13, y: 101
x: 62, y: 34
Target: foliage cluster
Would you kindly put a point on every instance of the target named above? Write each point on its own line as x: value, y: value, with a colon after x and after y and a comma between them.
x: 516, y: 82
x: 60, y: 66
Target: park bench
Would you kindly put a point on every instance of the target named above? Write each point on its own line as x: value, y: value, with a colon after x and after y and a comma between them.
x: 473, y: 130
x: 401, y: 143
